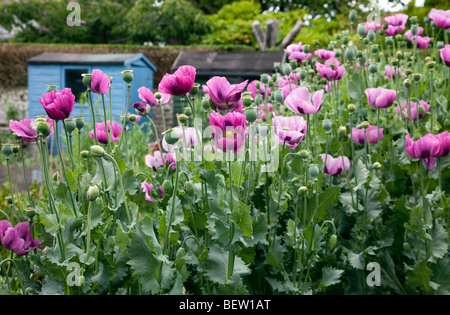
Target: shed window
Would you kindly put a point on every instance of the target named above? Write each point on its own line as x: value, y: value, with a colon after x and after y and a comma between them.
x: 74, y: 81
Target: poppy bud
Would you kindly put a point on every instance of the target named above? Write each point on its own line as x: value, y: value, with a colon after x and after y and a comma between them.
x: 167, y: 186
x: 92, y: 193
x: 389, y: 41
x: 205, y: 102
x: 349, y: 54
x: 302, y: 191
x: 304, y: 154
x: 376, y: 165
x: 97, y: 151
x: 421, y: 110
x: 180, y: 252
x: 182, y: 118
x: 111, y: 242
x: 187, y: 111
x: 332, y: 241
x: 365, y: 124
x: 189, y: 188
x: 351, y: 107
x: 287, y: 69
x: 406, y: 246
x: 127, y: 76
x: 84, y: 154
x: 306, y: 48
x: 373, y: 68
x: 81, y: 281
x: 132, y: 117
x: 371, y: 35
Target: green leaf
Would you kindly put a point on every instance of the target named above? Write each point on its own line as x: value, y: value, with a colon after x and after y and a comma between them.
x: 362, y: 174
x: 217, y: 263
x: 439, y: 245
x: 242, y: 217
x: 330, y: 276
x: 356, y: 260
x: 419, y: 277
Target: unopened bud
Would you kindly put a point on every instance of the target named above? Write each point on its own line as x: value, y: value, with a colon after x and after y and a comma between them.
x: 377, y: 165
x: 365, y: 124
x: 92, y: 193
x: 342, y: 132
x: 302, y: 191
x: 87, y: 79
x: 304, y: 154
x: 326, y: 125
x: 351, y: 107
x: 97, y: 151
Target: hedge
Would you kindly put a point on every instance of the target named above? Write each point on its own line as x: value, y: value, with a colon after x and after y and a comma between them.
x: 13, y: 57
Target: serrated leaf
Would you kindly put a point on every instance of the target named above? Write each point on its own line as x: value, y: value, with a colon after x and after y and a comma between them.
x: 330, y: 276
x: 217, y: 263
x: 356, y: 260
x: 419, y: 277
x: 439, y: 244
x: 362, y: 174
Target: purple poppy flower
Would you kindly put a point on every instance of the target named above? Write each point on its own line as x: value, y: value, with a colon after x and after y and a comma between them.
x: 26, y: 128
x: 444, y: 144
x: 290, y: 130
x: 147, y: 189
x: 224, y: 95
x: 331, y: 70
x: 397, y: 19
x: 372, y: 26
x: 325, y: 54
x: 179, y: 83
x: 229, y: 131
x: 148, y: 97
x: 141, y: 108
x: 100, y: 83
x: 58, y: 105
x: 159, y: 159
x: 102, y: 136
x: 18, y: 239
x: 335, y: 166
x: 190, y: 140
x: 300, y: 101
x: 263, y: 91
x: 380, y: 97
x: 426, y: 148
x: 414, y: 107
x: 422, y: 42
x: 441, y: 18
x: 372, y: 133
x: 445, y: 55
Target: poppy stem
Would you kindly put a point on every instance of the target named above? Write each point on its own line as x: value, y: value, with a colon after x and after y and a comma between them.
x: 25, y: 173
x: 91, y: 107
x: 13, y: 206
x: 230, y: 266
x: 107, y: 131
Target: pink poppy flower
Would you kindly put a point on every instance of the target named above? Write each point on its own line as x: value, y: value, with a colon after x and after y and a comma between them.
x: 445, y: 55
x: 263, y: 91
x: 179, y: 83
x: 380, y: 97
x: 100, y: 83
x: 18, y: 239
x: 26, y: 129
x: 331, y: 70
x: 224, y: 95
x: 372, y: 133
x: 289, y: 130
x: 335, y: 166
x: 159, y: 159
x: 301, y: 102
x: 147, y: 96
x: 414, y: 107
x: 441, y: 18
x: 325, y: 54
x: 58, y: 105
x: 229, y: 131
x: 102, y: 135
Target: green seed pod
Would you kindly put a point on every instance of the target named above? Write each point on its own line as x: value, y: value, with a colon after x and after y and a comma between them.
x: 172, y: 137
x: 371, y: 35
x: 287, y: 69
x: 279, y: 96
x: 205, y: 102
x: 133, y: 118
x: 43, y: 129
x: 7, y: 150
x: 70, y: 125
x: 440, y: 45
x: 79, y: 122
x: 430, y: 65
x: 189, y: 188
x: 167, y: 187
x: 97, y: 151
x: 187, y: 111
x: 407, y: 83
x: 413, y: 20
x: 342, y: 131
x: 182, y: 118
x: 264, y: 78
x: 313, y: 171
x: 16, y: 149
x: 361, y: 30
x: 127, y: 76
x: 374, y: 49
x: 293, y: 64
x: 51, y: 87
x: 195, y: 89
x: 345, y: 40
x: 306, y: 48
x: 247, y: 100
x: 349, y: 54
x: 389, y: 41
x: 326, y: 125
x: 250, y: 114
x: 276, y: 66
x: 111, y: 242
x: 373, y: 68
x: 352, y: 16
x: 92, y: 193
x: 87, y: 79
x: 332, y: 241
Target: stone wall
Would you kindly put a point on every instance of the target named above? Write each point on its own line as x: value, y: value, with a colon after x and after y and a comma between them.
x: 17, y: 99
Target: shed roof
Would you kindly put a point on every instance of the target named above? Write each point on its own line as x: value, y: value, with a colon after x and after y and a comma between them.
x: 249, y: 63
x: 83, y: 59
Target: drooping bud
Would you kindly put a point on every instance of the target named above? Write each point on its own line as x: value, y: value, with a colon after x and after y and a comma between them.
x: 376, y: 165
x: 189, y: 188
x: 92, y: 193
x: 332, y: 241
x: 97, y: 151
x: 304, y: 154
x: 167, y: 186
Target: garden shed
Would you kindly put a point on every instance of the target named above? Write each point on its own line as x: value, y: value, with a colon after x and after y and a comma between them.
x: 236, y: 66
x: 65, y: 70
